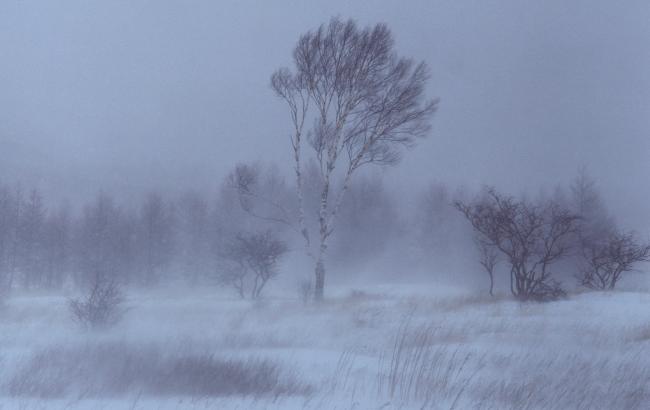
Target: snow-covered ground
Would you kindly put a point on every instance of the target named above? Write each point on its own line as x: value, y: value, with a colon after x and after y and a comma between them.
x: 382, y: 347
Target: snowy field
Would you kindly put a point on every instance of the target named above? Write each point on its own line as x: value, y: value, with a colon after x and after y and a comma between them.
x: 386, y: 347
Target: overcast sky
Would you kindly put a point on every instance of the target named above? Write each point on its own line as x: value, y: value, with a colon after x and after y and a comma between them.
x: 131, y: 95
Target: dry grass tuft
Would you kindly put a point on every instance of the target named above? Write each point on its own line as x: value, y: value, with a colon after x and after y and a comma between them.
x: 112, y: 369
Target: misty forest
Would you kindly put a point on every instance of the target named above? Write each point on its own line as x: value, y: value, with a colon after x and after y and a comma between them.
x: 324, y: 205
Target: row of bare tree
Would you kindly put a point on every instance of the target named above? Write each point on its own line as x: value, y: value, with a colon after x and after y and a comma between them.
x: 199, y: 237
x: 532, y: 238
x: 239, y: 240
x: 43, y: 248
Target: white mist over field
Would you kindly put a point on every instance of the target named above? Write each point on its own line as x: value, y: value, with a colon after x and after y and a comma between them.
x: 391, y: 347
x: 324, y: 205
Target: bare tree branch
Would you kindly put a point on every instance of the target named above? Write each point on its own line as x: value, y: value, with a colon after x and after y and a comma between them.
x: 606, y: 261
x: 532, y: 237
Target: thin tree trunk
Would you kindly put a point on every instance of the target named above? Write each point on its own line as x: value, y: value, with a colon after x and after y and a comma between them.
x: 323, y: 222
x: 326, y: 220
x: 301, y: 210
x: 319, y: 288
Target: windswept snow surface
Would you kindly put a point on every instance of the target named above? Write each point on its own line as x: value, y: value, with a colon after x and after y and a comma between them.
x: 381, y: 347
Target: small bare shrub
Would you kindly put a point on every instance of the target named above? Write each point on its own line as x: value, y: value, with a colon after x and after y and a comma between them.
x: 605, y: 261
x: 250, y: 260
x: 102, y: 305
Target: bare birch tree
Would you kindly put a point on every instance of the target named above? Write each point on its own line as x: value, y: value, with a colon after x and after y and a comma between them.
x: 354, y: 102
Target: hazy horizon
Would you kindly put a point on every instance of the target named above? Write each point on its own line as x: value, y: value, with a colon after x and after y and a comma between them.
x: 135, y: 96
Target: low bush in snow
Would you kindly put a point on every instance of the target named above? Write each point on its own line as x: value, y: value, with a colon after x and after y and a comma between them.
x: 102, y: 306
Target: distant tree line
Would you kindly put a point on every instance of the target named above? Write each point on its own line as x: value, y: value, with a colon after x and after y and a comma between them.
x: 239, y: 241
x: 196, y: 237
x: 43, y: 247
